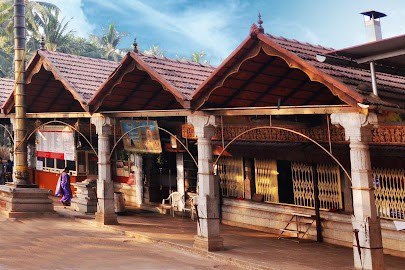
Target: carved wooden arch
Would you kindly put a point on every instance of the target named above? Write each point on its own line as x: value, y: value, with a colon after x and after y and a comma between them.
x: 251, y: 54
x: 337, y: 88
x: 131, y: 67
x: 47, y: 65
x: 165, y: 85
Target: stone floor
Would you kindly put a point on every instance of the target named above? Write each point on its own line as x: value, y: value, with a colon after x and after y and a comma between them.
x: 244, y: 248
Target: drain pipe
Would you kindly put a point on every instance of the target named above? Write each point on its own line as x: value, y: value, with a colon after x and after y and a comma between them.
x: 373, y: 79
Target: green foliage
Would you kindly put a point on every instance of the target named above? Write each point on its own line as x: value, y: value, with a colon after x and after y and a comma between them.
x: 154, y: 50
x: 108, y: 42
x: 197, y: 57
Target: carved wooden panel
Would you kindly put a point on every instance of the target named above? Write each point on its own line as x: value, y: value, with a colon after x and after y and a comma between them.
x: 390, y: 135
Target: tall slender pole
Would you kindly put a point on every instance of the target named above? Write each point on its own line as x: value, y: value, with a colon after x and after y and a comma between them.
x: 20, y: 129
x: 318, y: 221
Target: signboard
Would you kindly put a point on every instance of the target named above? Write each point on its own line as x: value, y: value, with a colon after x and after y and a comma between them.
x: 56, y: 142
x: 142, y: 136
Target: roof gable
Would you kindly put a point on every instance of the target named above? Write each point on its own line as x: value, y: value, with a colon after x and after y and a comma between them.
x: 149, y: 83
x: 58, y: 82
x: 264, y: 81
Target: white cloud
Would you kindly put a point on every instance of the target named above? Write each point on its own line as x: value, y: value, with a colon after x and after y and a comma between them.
x: 200, y: 26
x: 72, y: 10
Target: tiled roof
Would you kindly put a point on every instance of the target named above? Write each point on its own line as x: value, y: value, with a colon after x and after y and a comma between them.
x: 391, y: 88
x: 185, y: 76
x: 6, y: 87
x: 84, y: 74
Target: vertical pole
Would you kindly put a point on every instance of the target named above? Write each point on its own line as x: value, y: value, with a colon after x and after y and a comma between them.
x: 20, y: 129
x: 105, y: 186
x: 367, y: 238
x: 180, y: 178
x: 138, y: 179
x: 318, y: 221
x: 208, y: 230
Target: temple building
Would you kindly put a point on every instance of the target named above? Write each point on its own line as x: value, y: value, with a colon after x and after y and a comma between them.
x: 285, y: 137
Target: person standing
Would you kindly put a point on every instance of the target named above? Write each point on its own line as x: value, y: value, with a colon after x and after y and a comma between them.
x: 2, y: 179
x: 65, y: 190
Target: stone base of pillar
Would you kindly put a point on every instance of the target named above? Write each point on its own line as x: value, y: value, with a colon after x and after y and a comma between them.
x: 104, y: 219
x: 30, y: 201
x: 371, y: 259
x: 85, y: 200
x: 209, y: 244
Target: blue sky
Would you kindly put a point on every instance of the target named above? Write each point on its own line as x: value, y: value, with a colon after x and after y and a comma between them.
x: 217, y: 27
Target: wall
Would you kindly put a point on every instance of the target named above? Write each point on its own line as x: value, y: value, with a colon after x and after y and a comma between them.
x: 129, y: 192
x: 336, y: 227
x: 47, y: 180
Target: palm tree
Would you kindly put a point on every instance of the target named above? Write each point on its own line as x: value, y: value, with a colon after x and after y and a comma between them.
x: 56, y: 34
x: 35, y: 11
x: 198, y: 57
x: 109, y: 42
x: 154, y: 50
x: 36, y: 14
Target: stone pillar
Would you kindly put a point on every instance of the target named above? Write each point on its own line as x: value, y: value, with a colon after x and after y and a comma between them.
x: 367, y: 240
x: 208, y: 237
x: 180, y: 178
x: 138, y: 178
x: 105, y: 186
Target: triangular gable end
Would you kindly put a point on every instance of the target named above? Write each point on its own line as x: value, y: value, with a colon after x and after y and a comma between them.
x: 47, y: 90
x: 136, y: 85
x: 261, y: 73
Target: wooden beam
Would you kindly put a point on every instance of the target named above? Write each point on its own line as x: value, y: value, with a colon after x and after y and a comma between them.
x: 284, y: 110
x: 55, y: 115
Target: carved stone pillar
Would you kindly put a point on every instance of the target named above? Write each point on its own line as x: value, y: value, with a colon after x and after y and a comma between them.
x: 105, y: 186
x: 367, y: 240
x: 138, y: 178
x: 208, y: 236
x: 180, y: 177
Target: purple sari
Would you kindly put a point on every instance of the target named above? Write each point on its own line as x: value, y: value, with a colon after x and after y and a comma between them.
x: 65, y: 187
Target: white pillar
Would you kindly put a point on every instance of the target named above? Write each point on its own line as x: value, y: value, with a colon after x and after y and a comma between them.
x: 208, y: 237
x: 367, y: 240
x: 105, y: 186
x: 138, y: 179
x: 180, y: 177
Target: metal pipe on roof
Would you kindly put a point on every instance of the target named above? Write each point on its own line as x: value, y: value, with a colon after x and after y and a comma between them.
x: 373, y: 79
x: 373, y: 31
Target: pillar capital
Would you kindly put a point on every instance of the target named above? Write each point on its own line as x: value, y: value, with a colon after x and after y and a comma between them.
x: 103, y: 124
x: 357, y: 126
x: 204, y: 125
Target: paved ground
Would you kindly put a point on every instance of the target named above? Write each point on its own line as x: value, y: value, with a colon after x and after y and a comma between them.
x: 146, y: 240
x: 63, y: 243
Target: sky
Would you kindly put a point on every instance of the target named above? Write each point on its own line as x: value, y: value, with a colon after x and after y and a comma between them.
x: 217, y: 27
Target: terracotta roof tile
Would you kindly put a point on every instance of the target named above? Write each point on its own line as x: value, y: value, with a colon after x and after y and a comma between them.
x: 391, y: 87
x: 83, y: 73
x: 6, y: 87
x: 185, y: 76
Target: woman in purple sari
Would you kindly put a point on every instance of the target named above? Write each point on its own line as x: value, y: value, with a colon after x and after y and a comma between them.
x: 64, y: 188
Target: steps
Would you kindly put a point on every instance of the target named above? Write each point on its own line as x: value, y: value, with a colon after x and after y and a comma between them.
x: 298, y: 225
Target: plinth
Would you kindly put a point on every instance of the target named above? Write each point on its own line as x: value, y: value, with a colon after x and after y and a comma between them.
x: 208, y: 244
x: 19, y: 201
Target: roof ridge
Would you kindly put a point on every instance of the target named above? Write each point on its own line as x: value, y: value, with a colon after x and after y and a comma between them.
x: 175, y: 60
x: 299, y: 42
x: 79, y: 56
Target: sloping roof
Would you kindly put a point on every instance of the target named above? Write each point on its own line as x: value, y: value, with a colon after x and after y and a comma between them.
x: 389, y: 52
x: 392, y: 87
x: 58, y: 82
x: 6, y: 89
x: 272, y: 71
x: 144, y: 82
